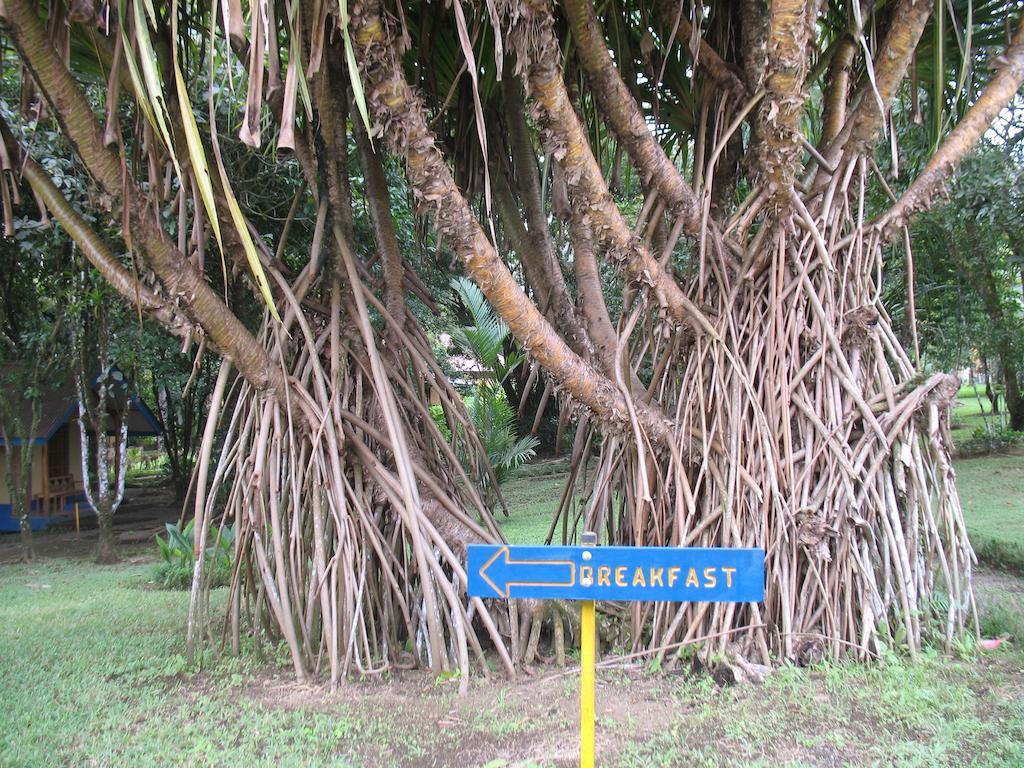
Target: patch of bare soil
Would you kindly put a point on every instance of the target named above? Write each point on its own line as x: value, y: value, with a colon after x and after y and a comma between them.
x: 534, y: 721
x: 988, y: 582
x: 414, y: 719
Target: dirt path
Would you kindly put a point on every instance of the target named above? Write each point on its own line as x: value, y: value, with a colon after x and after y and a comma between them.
x: 142, y: 515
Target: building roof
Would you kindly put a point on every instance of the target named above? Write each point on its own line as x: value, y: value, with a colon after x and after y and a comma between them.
x: 60, y: 405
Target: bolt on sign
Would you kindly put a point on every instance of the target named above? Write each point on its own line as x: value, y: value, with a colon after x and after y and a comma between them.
x: 589, y: 573
x: 648, y: 574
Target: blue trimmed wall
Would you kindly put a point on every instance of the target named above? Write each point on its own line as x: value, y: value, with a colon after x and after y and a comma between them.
x: 9, y: 523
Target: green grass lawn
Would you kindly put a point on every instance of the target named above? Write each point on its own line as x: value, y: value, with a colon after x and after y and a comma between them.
x: 92, y: 666
x: 991, y: 487
x: 928, y: 714
x: 973, y: 410
x: 968, y: 414
x: 992, y: 493
x: 532, y: 502
x: 93, y: 675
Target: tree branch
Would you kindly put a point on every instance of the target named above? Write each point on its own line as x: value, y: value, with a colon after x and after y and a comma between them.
x: 555, y: 293
x: 595, y: 311
x: 96, y: 251
x: 532, y: 36
x: 890, y: 66
x: 401, y: 111
x: 790, y: 23
x: 723, y: 73
x: 379, y: 200
x: 838, y: 91
x: 553, y: 298
x: 625, y: 118
x: 993, y: 99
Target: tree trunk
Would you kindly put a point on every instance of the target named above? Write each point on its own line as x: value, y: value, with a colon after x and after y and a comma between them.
x: 22, y: 499
x: 750, y: 351
x: 18, y: 477
x: 106, y: 545
x: 1009, y: 365
x: 1014, y: 402
x: 991, y: 394
x: 28, y: 552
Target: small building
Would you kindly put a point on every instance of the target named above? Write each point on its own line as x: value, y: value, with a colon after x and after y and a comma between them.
x: 55, y: 485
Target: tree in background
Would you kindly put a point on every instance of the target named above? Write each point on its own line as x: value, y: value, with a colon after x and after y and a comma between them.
x: 181, y: 393
x: 21, y: 394
x: 33, y: 344
x: 104, y: 391
x: 103, y: 469
x: 968, y: 277
x: 744, y: 388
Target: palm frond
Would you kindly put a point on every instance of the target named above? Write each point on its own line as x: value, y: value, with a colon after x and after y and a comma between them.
x: 485, y: 338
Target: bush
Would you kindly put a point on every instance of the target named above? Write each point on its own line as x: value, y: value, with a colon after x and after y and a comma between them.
x: 179, y: 575
x: 495, y: 423
x: 1002, y: 617
x: 493, y: 418
x: 437, y: 413
x: 1000, y: 555
x: 985, y: 440
x: 143, y: 465
x: 175, y: 572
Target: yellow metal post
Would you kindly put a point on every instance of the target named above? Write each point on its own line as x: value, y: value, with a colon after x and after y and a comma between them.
x: 587, y: 623
x: 588, y: 651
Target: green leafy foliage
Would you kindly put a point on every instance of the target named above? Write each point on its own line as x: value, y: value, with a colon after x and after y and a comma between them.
x: 486, y: 337
x: 967, y: 268
x: 495, y: 423
x: 486, y: 340
x: 178, y: 564
x: 146, y: 467
x: 991, y: 439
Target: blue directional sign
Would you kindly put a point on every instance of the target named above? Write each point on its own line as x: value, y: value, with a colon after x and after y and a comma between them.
x: 669, y: 574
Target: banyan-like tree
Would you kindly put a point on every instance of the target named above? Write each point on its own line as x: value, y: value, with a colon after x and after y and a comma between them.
x: 682, y: 212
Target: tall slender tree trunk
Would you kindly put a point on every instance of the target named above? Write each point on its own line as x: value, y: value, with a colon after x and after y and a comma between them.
x: 17, y: 483
x: 1009, y: 364
x: 18, y: 476
x: 1009, y: 367
x: 106, y: 544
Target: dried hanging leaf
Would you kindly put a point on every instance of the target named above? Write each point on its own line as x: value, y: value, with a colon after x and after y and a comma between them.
x: 250, y: 131
x: 237, y: 218
x: 316, y: 43
x: 286, y: 138
x: 481, y: 128
x: 133, y: 71
x: 233, y: 23
x: 294, y: 84
x: 148, y: 86
x: 8, y: 209
x: 112, y: 127
x: 200, y: 167
x: 247, y: 243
